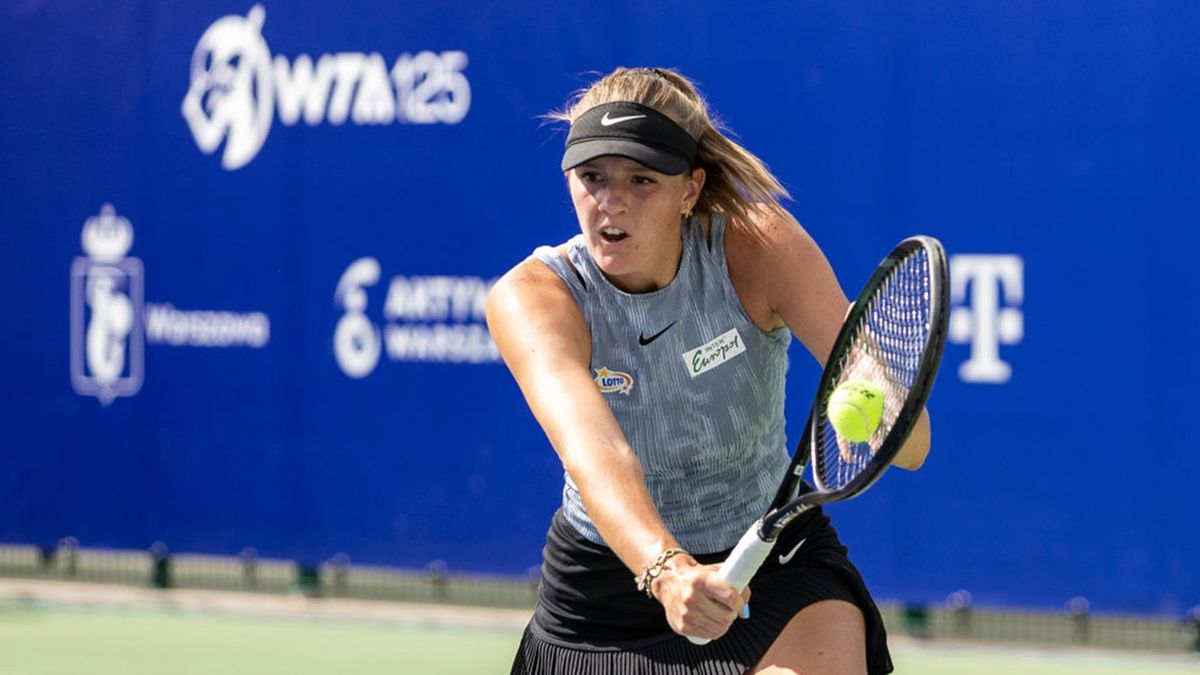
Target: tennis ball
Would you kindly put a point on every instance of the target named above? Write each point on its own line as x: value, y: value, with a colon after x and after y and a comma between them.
x: 855, y: 409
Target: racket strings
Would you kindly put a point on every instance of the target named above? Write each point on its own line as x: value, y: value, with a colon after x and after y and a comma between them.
x: 887, y: 345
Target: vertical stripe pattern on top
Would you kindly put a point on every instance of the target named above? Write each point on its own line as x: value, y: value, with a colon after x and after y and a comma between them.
x: 695, y: 386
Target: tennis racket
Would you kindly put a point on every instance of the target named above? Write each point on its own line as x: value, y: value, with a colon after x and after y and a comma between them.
x: 892, y: 339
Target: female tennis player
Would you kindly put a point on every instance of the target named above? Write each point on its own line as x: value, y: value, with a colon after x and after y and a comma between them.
x: 652, y: 348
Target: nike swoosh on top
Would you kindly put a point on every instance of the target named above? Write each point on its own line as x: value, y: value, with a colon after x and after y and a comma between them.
x: 607, y: 121
x: 785, y: 559
x: 643, y: 340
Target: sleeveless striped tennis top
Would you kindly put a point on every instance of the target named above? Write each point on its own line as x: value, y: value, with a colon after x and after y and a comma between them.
x: 695, y: 386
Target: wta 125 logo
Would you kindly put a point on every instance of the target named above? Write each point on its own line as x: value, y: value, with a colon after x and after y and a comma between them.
x: 987, y: 291
x: 236, y: 88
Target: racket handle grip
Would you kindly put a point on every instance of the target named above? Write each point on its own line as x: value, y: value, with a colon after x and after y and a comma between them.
x: 742, y: 563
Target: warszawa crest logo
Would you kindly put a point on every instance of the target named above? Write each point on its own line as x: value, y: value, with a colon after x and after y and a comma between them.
x: 107, y: 294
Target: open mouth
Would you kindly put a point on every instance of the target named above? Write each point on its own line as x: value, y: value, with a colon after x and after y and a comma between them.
x: 612, y: 234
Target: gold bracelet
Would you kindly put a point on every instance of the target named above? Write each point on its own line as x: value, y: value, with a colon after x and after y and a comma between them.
x: 656, y: 568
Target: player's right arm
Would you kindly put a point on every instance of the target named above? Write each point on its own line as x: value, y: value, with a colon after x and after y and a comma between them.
x: 545, y: 341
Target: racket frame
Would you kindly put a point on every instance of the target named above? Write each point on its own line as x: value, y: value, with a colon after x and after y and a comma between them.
x: 795, y: 495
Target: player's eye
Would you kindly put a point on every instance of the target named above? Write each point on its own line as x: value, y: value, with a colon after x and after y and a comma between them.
x: 590, y: 176
x: 644, y: 180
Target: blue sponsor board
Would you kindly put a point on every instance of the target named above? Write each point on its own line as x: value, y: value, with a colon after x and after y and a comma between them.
x: 249, y: 246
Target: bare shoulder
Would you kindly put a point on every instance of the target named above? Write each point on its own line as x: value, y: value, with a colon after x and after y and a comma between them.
x: 531, y: 311
x: 783, y: 278
x: 528, y: 276
x: 768, y: 244
x: 526, y: 288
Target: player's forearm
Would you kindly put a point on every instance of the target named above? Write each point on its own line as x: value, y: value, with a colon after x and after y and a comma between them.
x: 914, y: 451
x: 613, y: 489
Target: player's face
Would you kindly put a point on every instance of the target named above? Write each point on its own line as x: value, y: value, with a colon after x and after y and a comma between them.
x: 631, y: 219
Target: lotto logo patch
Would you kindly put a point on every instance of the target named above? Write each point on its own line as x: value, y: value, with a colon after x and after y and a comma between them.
x: 613, y: 381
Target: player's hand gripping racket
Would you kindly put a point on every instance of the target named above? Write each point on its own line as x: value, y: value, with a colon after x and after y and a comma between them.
x: 892, y: 340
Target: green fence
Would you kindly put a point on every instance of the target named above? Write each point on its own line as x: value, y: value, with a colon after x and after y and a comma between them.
x: 957, y: 618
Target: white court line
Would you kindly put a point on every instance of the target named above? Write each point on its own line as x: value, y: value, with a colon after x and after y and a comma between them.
x: 258, y: 604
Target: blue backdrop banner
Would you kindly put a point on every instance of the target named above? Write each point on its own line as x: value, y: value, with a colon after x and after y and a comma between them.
x: 249, y: 247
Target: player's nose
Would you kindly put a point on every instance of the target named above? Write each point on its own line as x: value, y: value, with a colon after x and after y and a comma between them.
x: 612, y: 200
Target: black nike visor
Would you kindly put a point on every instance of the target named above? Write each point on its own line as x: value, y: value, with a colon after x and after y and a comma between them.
x: 630, y: 130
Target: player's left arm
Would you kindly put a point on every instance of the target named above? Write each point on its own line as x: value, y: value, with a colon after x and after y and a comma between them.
x: 784, y: 279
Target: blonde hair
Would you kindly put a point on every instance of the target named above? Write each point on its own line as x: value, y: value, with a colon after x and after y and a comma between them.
x: 738, y: 184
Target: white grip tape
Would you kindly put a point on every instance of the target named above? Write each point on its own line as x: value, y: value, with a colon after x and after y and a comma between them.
x: 742, y: 563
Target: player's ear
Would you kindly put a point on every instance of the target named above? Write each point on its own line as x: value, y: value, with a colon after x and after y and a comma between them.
x: 694, y: 182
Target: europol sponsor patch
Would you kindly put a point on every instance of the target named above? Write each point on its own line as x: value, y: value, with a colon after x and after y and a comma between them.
x: 613, y: 381
x: 719, y: 350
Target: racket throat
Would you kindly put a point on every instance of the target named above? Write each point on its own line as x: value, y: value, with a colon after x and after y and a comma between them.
x: 773, y: 523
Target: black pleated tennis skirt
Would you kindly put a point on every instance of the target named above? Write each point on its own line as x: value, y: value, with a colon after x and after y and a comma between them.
x: 591, y: 619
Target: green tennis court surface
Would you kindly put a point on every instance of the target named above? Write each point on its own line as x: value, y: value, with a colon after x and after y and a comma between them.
x: 45, y: 639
